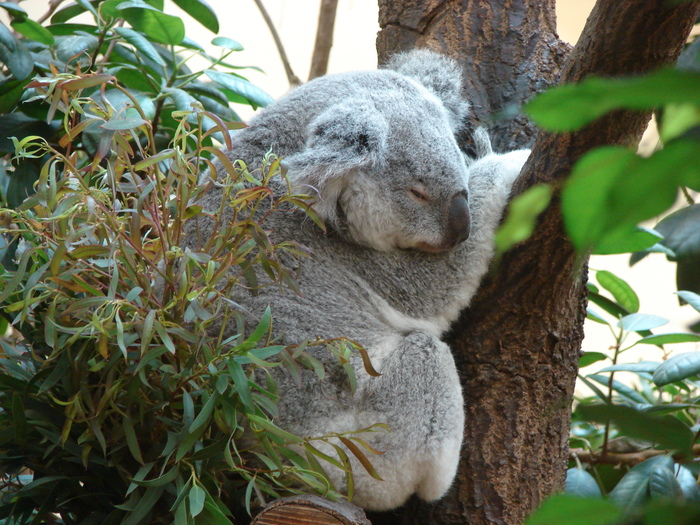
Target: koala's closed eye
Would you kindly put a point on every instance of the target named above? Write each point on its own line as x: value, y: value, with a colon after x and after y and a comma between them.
x: 419, y: 193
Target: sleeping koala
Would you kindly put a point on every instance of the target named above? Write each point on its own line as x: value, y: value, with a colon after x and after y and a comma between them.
x: 410, y: 229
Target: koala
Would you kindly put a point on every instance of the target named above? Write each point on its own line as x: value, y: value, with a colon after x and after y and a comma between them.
x: 410, y: 224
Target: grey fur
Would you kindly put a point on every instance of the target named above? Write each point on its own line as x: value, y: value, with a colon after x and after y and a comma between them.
x: 379, y: 149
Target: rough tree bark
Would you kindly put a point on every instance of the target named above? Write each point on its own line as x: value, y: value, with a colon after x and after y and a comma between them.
x: 517, y: 347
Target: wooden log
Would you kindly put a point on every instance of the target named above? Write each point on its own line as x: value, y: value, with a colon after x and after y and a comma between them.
x: 310, y: 510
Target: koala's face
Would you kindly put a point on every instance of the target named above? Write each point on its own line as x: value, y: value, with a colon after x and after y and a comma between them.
x: 388, y: 172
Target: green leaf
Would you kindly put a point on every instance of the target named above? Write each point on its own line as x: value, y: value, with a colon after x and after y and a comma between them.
x: 144, y: 506
x: 572, y: 106
x: 14, y: 55
x: 677, y: 119
x: 73, y: 10
x: 141, y: 44
x: 611, y: 190
x: 589, y: 358
x: 640, y: 322
x: 666, y: 339
x: 241, y: 384
x: 620, y: 290
x: 522, y: 216
x: 33, y: 31
x: 666, y: 431
x: 201, y: 12
x: 156, y: 25
x: 254, y: 94
x: 572, y: 510
x: 196, y: 498
x: 642, y: 366
x: 677, y: 368
x: 663, y: 483
x: 691, y: 298
x: 580, y: 483
x: 227, y: 43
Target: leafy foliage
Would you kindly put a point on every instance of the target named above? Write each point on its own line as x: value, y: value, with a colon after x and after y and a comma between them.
x: 633, y: 442
x: 128, y: 390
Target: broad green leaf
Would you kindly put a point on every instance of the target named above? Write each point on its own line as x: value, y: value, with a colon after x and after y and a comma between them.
x: 71, y: 11
x: 687, y: 482
x: 572, y: 510
x: 227, y: 43
x: 634, y: 488
x: 666, y: 431
x: 593, y: 316
x: 201, y: 12
x: 156, y: 25
x: 642, y: 366
x: 677, y: 368
x: 521, y: 217
x: 691, y: 298
x: 14, y: 55
x: 611, y: 190
x: 254, y: 94
x: 677, y: 119
x: 665, y: 339
x: 581, y: 483
x: 626, y: 240
x: 141, y: 44
x: 589, y: 358
x: 121, y: 124
x: 663, y: 483
x: 75, y: 46
x: 33, y: 31
x: 572, y: 106
x: 620, y: 290
x: 639, y: 322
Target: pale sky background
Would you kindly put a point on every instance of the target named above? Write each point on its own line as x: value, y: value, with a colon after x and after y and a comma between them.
x: 354, y: 48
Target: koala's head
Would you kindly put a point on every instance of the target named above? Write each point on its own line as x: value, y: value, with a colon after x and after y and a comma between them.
x: 386, y: 167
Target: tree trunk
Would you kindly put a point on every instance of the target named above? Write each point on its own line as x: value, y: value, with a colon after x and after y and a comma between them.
x: 517, y: 347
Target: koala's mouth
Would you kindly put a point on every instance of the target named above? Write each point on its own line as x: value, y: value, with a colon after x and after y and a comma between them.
x: 433, y: 248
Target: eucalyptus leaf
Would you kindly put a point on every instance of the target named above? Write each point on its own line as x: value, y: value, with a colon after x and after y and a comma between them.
x: 581, y: 483
x: 639, y: 322
x: 692, y: 298
x: 256, y: 96
x: 571, y: 106
x: 201, y: 12
x: 677, y: 368
x: 14, y: 55
x: 620, y: 289
x: 666, y: 431
x: 565, y: 509
x: 140, y: 43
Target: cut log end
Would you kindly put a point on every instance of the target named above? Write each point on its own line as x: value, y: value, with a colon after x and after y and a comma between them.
x: 308, y: 509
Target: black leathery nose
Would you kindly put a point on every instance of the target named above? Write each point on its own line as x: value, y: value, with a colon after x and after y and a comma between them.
x: 458, y: 219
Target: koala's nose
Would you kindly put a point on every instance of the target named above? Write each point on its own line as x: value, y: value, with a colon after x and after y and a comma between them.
x: 458, y: 220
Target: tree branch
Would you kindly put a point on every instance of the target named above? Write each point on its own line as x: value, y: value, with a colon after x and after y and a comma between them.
x: 622, y: 458
x: 291, y: 77
x: 324, y: 38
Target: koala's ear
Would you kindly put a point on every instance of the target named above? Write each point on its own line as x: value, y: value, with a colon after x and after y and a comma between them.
x: 439, y: 74
x: 341, y: 141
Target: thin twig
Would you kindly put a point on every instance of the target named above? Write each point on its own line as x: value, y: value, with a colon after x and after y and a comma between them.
x: 291, y: 77
x: 53, y: 5
x: 622, y: 458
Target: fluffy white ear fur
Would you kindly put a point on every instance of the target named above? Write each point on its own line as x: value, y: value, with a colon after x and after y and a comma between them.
x: 342, y: 141
x: 440, y: 75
